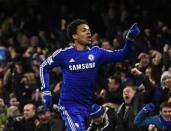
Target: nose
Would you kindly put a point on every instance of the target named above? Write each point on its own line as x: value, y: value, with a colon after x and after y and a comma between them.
x: 88, y: 31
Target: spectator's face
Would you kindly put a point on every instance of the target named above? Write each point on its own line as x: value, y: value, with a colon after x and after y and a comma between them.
x: 169, y: 52
x: 83, y: 35
x: 145, y: 61
x: 29, y: 111
x: 167, y: 82
x: 42, y: 34
x: 158, y: 57
x: 147, y: 32
x: 148, y: 72
x: 1, y: 84
x: 106, y: 45
x: 19, y: 68
x: 166, y: 113
x: 1, y: 102
x: 128, y: 94
x: 115, y: 43
x: 44, y: 117
x: 98, y: 120
x: 112, y: 85
x: 34, y: 41
x: 13, y: 111
x: 14, y: 101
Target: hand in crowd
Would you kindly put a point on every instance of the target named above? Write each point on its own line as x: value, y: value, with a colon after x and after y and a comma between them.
x: 102, y: 93
x: 165, y: 48
x: 135, y: 71
x: 149, y: 107
x: 152, y: 127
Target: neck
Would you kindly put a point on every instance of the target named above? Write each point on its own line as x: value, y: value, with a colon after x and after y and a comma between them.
x: 164, y: 118
x: 80, y: 47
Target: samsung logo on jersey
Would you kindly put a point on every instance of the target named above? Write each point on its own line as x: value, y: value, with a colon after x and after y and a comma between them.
x: 82, y: 66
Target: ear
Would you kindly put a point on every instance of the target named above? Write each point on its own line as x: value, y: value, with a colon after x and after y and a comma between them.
x: 74, y: 36
x: 160, y: 112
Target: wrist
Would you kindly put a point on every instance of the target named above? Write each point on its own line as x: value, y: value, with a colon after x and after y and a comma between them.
x: 139, y: 72
x: 47, y: 93
x: 130, y: 39
x: 145, y: 110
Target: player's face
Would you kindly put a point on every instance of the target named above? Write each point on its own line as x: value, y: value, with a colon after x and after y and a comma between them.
x: 83, y: 35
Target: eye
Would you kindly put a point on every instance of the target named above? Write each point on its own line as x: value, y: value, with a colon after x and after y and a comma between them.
x: 84, y: 30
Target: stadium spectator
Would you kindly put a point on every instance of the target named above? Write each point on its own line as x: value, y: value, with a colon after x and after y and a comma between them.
x: 48, y: 121
x: 161, y: 121
x: 102, y: 118
x: 27, y: 122
x: 127, y: 110
x: 3, y: 115
x: 26, y: 23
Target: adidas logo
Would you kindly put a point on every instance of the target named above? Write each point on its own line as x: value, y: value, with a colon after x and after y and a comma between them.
x: 71, y: 60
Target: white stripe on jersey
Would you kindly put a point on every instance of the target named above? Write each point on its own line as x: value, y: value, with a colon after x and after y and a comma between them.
x: 47, y: 93
x: 41, y: 74
x: 71, y: 123
x: 56, y: 52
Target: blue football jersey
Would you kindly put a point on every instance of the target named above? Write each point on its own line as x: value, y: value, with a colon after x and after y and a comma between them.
x: 79, y: 70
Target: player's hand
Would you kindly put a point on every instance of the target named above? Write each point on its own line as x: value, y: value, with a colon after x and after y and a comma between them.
x: 133, y: 32
x: 47, y: 99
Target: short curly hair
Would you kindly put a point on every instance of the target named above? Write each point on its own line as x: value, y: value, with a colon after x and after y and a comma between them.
x: 72, y: 27
x: 165, y: 104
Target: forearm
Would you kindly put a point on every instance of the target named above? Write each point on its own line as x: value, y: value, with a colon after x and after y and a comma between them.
x: 109, y: 56
x: 128, y: 49
x: 145, y: 81
x: 139, y: 120
x: 44, y: 76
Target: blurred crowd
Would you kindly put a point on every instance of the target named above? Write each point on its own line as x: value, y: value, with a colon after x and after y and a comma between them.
x: 31, y: 30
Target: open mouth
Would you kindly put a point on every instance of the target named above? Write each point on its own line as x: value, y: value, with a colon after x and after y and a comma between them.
x: 126, y: 97
x: 89, y: 37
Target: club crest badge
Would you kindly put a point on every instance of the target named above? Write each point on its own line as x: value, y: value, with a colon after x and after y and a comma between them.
x: 91, y: 57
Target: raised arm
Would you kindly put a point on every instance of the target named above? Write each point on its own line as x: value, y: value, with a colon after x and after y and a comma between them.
x: 108, y: 56
x: 140, y: 119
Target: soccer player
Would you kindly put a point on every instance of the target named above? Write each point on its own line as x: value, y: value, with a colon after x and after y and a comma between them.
x: 79, y: 65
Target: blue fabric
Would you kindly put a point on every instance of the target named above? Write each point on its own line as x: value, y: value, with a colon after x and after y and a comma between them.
x: 47, y: 99
x: 142, y: 121
x: 41, y: 109
x: 133, y: 32
x: 3, y: 54
x: 79, y: 70
x: 74, y: 117
x: 96, y: 111
x: 166, y: 123
x: 149, y: 107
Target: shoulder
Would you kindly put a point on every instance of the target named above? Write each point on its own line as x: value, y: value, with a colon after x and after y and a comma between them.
x: 100, y: 49
x: 62, y: 50
x: 67, y: 48
x: 95, y: 48
x: 154, y: 119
